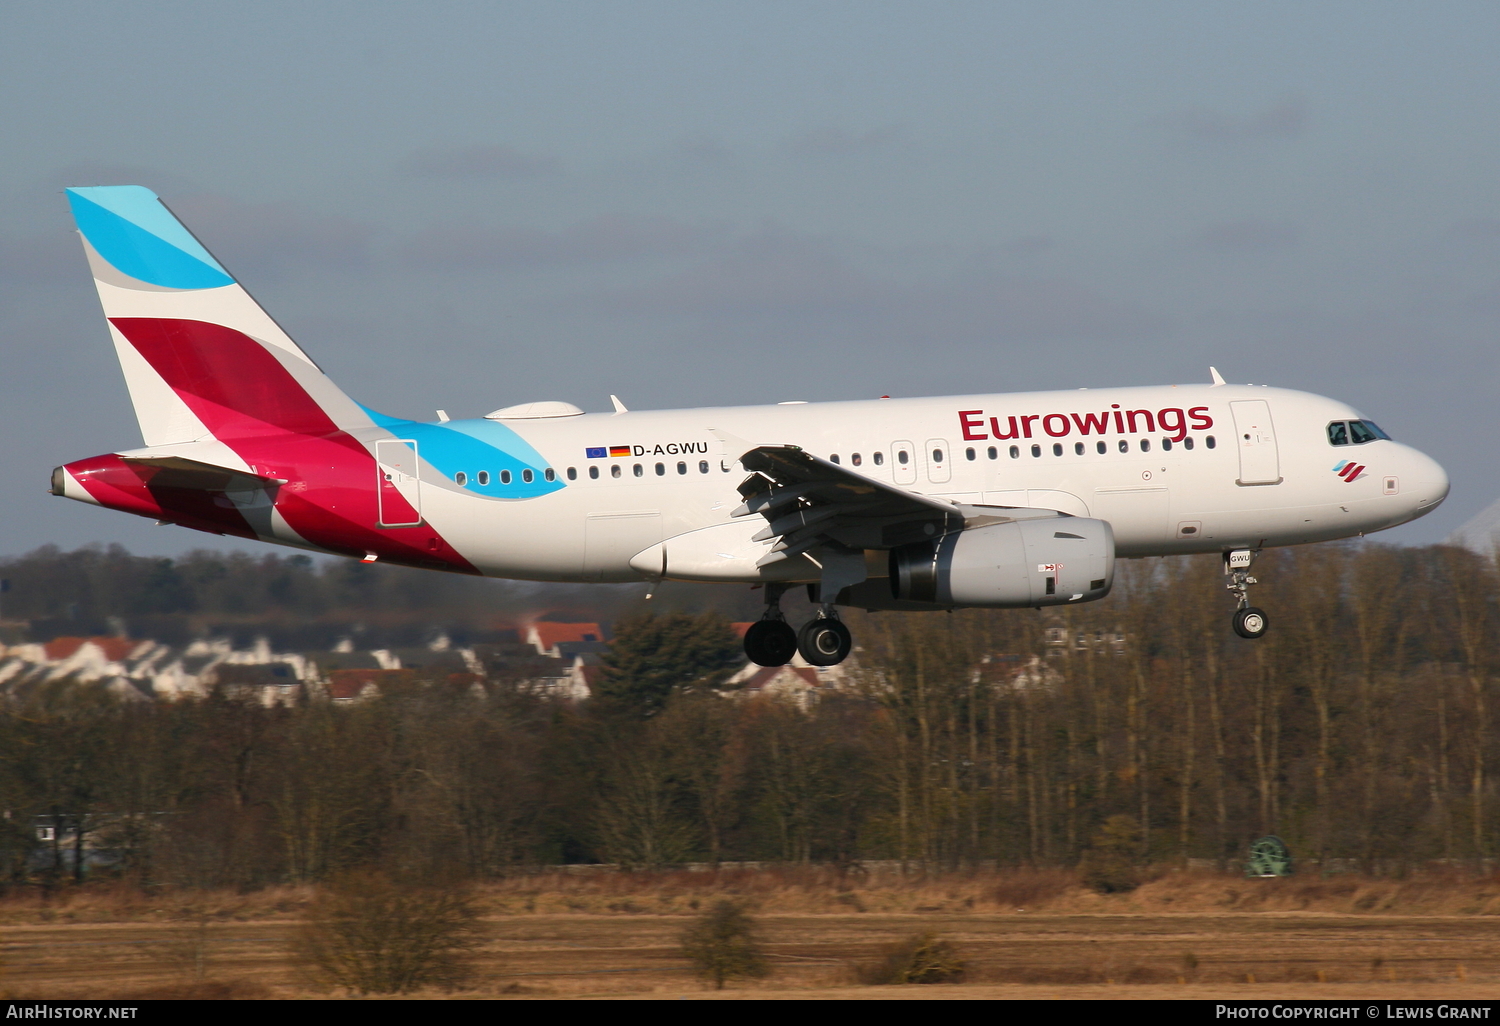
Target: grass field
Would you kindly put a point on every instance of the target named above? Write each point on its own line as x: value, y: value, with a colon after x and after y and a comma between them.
x: 615, y: 935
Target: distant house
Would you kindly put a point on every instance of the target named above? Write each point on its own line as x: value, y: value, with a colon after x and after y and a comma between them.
x: 1017, y: 673
x: 823, y: 679
x: 545, y: 637
x: 797, y: 684
x: 268, y: 683
x: 345, y: 687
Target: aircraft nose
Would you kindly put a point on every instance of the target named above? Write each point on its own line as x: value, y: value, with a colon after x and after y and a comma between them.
x: 1425, y: 481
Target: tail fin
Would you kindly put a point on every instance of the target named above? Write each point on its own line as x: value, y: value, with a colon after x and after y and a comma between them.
x: 200, y: 357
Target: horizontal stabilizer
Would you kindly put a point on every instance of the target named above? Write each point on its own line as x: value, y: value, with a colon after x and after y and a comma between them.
x: 178, y: 472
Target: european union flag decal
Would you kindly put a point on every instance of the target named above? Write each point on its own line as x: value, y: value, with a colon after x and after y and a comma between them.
x: 593, y: 453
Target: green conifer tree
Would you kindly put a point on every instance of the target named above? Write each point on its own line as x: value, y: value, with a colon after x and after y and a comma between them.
x: 651, y: 656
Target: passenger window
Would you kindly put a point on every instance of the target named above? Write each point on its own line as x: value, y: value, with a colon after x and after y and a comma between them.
x: 460, y: 478
x: 661, y: 470
x: 969, y: 455
x: 505, y: 477
x: 682, y: 468
x: 1036, y: 451
x: 638, y: 470
x: 1208, y: 440
x: 593, y: 473
x: 1187, y: 443
x: 1015, y: 452
x: 937, y: 455
x: 484, y: 477
x: 833, y: 457
x: 1145, y: 445
x: 880, y: 459
x: 1057, y: 448
x: 856, y: 459
x: 573, y: 473
x: 993, y: 453
x: 1078, y: 448
x: 1166, y: 445
x: 703, y: 466
x: 1360, y: 434
x: 1124, y: 445
x: 527, y: 476
x: 550, y: 474
x: 614, y: 471
x: 1338, y: 433
x: 1101, y: 447
x: 902, y: 458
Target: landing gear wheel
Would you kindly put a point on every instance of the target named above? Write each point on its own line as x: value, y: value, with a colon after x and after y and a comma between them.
x: 770, y: 643
x: 824, y: 641
x: 1250, y: 623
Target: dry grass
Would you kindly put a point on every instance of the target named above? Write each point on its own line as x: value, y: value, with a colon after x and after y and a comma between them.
x: 809, y: 890
x: 617, y: 934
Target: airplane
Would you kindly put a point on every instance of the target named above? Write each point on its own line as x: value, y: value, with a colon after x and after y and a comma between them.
x: 985, y: 500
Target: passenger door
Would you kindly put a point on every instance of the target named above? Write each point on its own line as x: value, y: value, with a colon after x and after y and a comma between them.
x: 1255, y: 437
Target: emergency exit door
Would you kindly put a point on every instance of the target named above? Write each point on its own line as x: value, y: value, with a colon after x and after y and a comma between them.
x: 398, y: 487
x: 1255, y: 437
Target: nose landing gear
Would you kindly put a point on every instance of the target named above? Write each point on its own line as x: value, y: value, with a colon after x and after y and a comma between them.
x: 1249, y: 621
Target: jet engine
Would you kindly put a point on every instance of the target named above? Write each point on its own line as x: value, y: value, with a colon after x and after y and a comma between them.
x: 1049, y: 561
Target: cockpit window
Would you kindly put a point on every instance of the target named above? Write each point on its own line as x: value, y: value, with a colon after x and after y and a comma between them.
x: 1354, y: 432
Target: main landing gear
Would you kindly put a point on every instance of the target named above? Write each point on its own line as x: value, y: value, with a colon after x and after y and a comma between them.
x: 822, y: 641
x: 1249, y: 622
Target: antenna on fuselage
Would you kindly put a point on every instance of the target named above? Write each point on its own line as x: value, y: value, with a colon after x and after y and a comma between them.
x: 619, y: 406
x: 1218, y: 378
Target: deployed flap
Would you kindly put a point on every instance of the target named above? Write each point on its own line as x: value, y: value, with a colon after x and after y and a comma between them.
x: 810, y: 502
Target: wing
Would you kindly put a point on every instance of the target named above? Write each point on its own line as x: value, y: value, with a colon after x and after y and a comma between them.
x: 809, y: 502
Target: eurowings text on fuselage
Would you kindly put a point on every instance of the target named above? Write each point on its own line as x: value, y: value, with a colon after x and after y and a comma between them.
x: 244, y: 435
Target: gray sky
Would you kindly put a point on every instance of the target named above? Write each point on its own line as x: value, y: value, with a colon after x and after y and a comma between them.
x: 468, y: 205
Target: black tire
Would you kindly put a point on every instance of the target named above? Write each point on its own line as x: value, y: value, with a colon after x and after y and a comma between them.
x: 1250, y: 623
x: 770, y: 643
x: 824, y: 642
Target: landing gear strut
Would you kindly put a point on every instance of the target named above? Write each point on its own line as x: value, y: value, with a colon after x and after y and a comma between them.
x: 771, y: 641
x: 1249, y: 622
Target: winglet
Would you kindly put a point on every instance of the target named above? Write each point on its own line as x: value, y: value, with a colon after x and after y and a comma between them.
x: 619, y: 406
x: 1218, y: 378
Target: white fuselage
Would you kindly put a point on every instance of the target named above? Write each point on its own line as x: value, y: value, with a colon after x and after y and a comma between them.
x: 1256, y: 474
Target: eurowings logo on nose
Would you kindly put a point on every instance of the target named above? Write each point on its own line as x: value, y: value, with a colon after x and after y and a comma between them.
x: 1349, y: 470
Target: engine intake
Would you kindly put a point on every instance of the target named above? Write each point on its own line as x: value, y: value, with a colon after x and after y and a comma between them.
x: 1045, y: 562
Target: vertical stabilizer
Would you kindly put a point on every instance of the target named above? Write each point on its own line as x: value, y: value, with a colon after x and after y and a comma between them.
x: 200, y: 357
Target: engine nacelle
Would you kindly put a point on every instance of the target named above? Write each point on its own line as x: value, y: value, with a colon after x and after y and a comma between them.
x: 1049, y: 561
